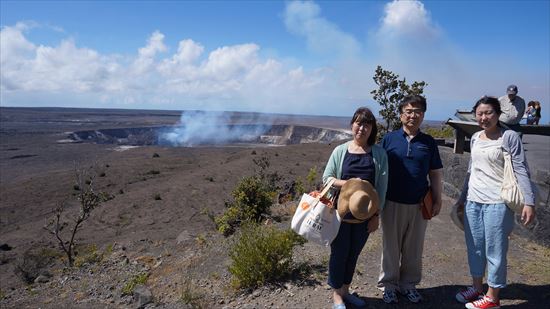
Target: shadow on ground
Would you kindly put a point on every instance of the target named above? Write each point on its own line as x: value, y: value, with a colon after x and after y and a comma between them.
x: 517, y: 296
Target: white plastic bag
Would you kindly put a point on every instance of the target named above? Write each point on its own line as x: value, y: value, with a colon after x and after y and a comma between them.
x: 315, y: 220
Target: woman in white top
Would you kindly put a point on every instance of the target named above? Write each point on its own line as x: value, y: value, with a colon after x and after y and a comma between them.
x: 487, y: 220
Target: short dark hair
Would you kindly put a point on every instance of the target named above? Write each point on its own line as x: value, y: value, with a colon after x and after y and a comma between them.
x: 493, y: 101
x: 414, y: 99
x: 364, y: 114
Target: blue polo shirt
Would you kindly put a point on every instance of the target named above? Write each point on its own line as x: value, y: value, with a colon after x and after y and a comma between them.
x: 409, y: 163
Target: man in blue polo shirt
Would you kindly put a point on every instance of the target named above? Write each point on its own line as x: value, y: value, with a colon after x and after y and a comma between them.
x: 412, y: 158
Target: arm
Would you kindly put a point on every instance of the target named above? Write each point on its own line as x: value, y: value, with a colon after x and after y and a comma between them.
x: 333, y: 167
x: 464, y: 194
x: 381, y: 187
x: 513, y: 145
x: 436, y: 182
x: 382, y: 184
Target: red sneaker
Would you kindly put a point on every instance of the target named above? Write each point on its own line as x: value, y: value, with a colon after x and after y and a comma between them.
x: 483, y: 303
x: 468, y: 295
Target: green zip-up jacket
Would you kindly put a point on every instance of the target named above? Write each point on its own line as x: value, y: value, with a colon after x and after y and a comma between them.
x: 334, y: 168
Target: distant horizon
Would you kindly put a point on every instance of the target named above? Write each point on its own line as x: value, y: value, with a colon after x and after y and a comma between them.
x: 347, y: 118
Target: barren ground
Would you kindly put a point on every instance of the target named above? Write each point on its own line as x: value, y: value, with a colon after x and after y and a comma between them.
x: 173, y: 239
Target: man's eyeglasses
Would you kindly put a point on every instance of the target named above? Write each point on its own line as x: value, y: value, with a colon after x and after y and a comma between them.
x: 411, y: 111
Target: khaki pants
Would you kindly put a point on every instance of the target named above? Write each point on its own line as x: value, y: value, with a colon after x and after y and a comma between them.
x: 403, y: 230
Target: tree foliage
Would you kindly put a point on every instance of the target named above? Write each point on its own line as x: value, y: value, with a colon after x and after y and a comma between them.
x: 390, y: 92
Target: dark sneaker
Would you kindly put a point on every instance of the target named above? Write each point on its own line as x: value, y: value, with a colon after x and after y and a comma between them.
x: 468, y: 295
x: 354, y: 300
x: 484, y: 303
x: 412, y: 295
x: 389, y: 297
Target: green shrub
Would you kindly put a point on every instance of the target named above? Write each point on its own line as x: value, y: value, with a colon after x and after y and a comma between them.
x: 88, y: 255
x: 312, y: 177
x: 443, y: 132
x: 299, y: 187
x: 262, y: 254
x: 191, y: 296
x: 129, y: 287
x: 33, y: 262
x: 251, y: 201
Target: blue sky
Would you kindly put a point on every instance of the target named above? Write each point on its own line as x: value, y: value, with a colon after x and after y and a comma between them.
x: 313, y: 57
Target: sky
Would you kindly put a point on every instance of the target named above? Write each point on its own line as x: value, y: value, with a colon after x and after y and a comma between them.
x: 291, y: 57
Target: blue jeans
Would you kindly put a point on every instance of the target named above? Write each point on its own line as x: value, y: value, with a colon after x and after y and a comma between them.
x: 487, y: 227
x: 344, y: 252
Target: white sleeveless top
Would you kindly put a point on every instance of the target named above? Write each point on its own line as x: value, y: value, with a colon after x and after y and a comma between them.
x: 487, y: 171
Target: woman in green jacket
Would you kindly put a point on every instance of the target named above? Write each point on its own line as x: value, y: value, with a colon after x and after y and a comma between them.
x: 358, y: 158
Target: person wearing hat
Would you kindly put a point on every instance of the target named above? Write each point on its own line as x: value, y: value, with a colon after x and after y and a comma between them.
x: 487, y: 221
x: 413, y: 157
x: 360, y: 168
x: 512, y: 107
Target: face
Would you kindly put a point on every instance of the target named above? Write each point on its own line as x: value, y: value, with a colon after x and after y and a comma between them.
x: 361, y: 131
x: 486, y: 116
x: 412, y: 116
x: 511, y: 96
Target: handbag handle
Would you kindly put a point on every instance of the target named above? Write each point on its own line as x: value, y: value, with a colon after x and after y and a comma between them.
x: 327, y: 187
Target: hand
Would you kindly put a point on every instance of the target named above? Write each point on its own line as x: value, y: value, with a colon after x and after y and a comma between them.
x: 436, y: 208
x: 527, y: 214
x: 373, y: 224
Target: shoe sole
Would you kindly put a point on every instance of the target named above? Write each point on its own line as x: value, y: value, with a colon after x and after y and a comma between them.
x: 472, y: 307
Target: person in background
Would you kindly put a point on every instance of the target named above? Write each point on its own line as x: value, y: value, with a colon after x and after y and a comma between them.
x: 512, y: 107
x: 537, y: 112
x: 487, y: 220
x: 413, y: 158
x: 358, y: 158
x: 530, y: 112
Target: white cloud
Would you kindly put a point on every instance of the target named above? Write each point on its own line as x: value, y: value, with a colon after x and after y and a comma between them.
x: 322, y: 36
x: 188, y: 52
x: 14, y: 45
x: 412, y: 45
x: 231, y: 61
x: 408, y: 18
x: 146, y: 55
x: 229, y: 77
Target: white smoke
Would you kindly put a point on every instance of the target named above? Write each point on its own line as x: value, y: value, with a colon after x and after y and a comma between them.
x: 214, y: 128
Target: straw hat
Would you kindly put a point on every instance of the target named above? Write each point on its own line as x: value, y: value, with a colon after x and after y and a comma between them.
x: 358, y: 197
x: 457, y: 215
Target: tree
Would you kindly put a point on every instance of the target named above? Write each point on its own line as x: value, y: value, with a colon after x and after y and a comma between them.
x: 390, y: 92
x: 88, y: 199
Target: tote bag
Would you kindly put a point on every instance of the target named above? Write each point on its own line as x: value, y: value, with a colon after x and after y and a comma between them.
x: 510, y: 192
x: 315, y: 219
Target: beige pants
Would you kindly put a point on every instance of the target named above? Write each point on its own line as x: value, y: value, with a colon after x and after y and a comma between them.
x: 403, y: 230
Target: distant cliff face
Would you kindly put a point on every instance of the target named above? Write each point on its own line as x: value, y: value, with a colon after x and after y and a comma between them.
x: 455, y: 167
x: 213, y: 135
